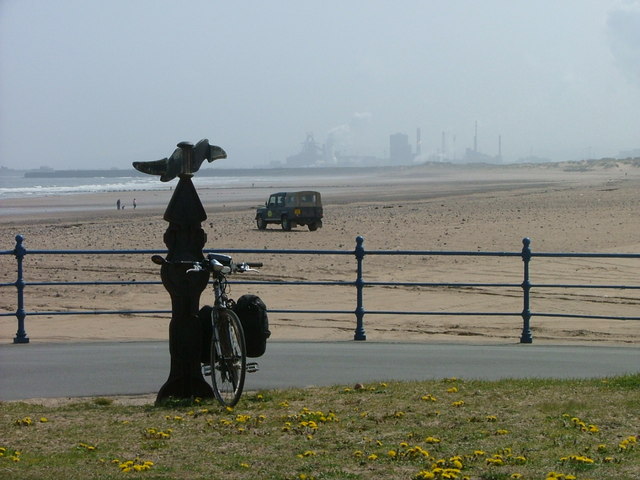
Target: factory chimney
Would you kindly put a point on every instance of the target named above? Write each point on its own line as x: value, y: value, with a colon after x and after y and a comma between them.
x: 475, y: 139
x: 418, y: 143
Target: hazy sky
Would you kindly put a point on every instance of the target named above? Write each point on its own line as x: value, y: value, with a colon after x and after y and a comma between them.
x: 95, y: 83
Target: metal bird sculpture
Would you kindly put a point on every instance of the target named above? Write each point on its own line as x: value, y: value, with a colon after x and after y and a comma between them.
x: 186, y: 159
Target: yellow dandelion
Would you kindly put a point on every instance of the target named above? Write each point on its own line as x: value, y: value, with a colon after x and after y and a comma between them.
x: 424, y: 475
x: 452, y: 390
x: 373, y: 456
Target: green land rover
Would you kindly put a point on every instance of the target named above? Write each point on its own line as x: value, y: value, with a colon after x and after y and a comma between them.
x: 290, y: 209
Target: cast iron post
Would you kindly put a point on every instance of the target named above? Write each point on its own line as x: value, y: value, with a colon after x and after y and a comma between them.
x: 526, y: 336
x: 20, y: 252
x: 359, y: 333
x: 185, y: 240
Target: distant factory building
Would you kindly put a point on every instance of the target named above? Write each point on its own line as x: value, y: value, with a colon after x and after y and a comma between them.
x: 399, y: 149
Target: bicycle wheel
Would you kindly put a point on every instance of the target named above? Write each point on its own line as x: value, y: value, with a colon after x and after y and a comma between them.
x: 228, y: 357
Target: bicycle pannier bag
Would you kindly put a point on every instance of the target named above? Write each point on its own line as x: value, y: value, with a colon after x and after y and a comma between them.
x: 252, y: 313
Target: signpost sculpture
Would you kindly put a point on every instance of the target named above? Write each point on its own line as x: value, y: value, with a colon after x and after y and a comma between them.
x: 185, y: 240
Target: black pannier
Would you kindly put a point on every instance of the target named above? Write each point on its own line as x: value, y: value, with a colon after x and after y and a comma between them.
x: 252, y: 313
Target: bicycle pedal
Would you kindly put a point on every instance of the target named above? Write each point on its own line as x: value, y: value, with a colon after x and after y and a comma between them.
x: 206, y: 370
x: 252, y: 367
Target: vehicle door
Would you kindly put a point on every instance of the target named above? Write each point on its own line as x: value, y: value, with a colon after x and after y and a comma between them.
x: 275, y: 206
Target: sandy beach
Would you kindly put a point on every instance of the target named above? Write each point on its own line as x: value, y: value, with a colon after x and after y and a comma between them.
x: 573, y: 207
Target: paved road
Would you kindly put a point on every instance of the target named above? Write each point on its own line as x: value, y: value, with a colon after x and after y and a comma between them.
x: 92, y: 369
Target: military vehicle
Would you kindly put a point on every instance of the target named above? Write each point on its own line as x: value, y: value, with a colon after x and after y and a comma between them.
x: 289, y: 209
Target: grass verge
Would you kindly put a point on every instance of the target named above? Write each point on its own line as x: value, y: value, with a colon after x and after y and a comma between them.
x: 451, y: 428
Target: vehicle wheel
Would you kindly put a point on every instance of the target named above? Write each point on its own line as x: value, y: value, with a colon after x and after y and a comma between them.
x: 286, y: 224
x: 262, y: 225
x: 313, y: 227
x: 228, y: 357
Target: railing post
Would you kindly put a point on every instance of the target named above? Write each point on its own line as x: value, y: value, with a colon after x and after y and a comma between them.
x: 526, y: 336
x: 20, y: 252
x: 359, y: 334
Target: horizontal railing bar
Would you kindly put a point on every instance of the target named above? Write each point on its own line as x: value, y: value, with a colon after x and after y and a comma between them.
x: 94, y: 252
x: 448, y: 313
x: 95, y: 312
x: 585, y: 255
x: 132, y: 282
x: 551, y: 285
x: 280, y: 252
x: 437, y: 284
x: 435, y: 253
x: 291, y: 282
x: 577, y: 315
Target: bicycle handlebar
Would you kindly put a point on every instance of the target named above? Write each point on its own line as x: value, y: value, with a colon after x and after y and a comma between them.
x: 213, y: 263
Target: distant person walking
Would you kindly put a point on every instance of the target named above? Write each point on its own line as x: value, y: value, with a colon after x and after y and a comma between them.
x: 118, y: 204
x: 134, y: 204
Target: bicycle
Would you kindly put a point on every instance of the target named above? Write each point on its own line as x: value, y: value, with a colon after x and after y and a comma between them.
x: 228, y: 358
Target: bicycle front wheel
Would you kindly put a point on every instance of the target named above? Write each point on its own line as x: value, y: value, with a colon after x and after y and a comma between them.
x: 228, y: 357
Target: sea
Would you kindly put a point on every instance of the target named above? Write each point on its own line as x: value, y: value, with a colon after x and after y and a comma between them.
x: 17, y: 186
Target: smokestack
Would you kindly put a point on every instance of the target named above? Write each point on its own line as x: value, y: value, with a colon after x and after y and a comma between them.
x: 475, y: 139
x: 418, y: 143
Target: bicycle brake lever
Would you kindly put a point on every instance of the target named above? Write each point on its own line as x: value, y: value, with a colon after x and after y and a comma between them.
x: 196, y: 268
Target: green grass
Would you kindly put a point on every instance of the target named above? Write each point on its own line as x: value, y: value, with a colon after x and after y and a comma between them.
x: 452, y: 428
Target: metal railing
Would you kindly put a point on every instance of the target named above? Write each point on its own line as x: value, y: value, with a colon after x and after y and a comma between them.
x: 359, y: 283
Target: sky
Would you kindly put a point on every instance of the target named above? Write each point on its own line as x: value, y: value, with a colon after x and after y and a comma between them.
x: 100, y: 84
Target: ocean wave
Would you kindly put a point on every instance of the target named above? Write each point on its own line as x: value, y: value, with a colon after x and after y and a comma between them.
x: 19, y: 187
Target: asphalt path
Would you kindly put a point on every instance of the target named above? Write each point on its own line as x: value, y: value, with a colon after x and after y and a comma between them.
x: 131, y: 368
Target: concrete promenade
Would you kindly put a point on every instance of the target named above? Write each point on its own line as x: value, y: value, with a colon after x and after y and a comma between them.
x: 130, y: 368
